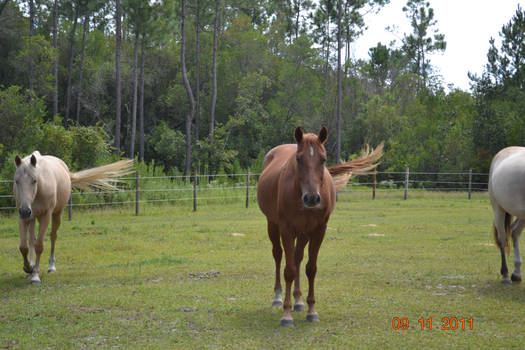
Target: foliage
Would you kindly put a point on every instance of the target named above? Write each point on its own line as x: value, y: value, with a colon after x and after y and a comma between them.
x: 276, y: 69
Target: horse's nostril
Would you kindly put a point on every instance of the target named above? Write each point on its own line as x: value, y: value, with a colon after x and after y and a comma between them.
x: 305, y: 198
x: 24, y: 212
x: 317, y: 199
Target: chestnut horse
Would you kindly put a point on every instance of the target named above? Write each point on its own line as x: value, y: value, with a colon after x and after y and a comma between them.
x: 42, y: 188
x: 296, y: 192
x: 506, y: 192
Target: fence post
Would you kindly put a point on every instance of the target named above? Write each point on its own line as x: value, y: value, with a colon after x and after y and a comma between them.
x: 137, y: 190
x: 195, y: 191
x: 247, y: 187
x: 374, y: 186
x: 469, y: 183
x: 406, y: 184
x: 69, y: 207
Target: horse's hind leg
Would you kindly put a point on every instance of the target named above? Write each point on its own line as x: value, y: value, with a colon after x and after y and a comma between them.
x: 500, y: 223
x: 277, y: 251
x: 302, y: 240
x: 55, y: 224
x: 517, y: 227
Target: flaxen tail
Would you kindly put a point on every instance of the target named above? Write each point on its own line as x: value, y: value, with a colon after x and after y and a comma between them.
x: 341, y: 173
x: 102, y: 178
x: 507, y: 234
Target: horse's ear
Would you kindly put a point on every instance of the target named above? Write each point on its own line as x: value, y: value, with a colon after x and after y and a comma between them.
x: 323, y: 134
x: 298, y: 134
x: 33, y: 160
x: 18, y: 161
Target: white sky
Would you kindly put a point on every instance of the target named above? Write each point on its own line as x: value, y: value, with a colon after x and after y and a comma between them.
x: 467, y: 24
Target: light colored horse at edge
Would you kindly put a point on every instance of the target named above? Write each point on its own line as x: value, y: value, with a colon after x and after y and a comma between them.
x: 507, y: 196
x: 42, y: 188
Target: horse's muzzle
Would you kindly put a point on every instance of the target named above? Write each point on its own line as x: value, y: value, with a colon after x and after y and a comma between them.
x: 24, y: 213
x: 311, y: 200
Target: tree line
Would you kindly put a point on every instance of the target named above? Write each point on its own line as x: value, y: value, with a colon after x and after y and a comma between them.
x: 212, y: 85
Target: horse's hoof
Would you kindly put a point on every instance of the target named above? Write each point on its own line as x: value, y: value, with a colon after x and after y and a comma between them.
x: 51, y: 269
x: 35, y: 280
x: 505, y: 281
x: 299, y: 307
x: 312, y: 318
x: 277, y: 303
x: 285, y: 322
x: 515, y: 278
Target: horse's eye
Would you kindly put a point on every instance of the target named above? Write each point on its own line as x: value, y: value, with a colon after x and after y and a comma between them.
x: 33, y: 182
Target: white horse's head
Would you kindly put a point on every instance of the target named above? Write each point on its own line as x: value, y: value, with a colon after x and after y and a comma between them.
x: 26, y: 185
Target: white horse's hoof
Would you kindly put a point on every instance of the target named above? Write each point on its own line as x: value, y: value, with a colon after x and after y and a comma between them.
x: 35, y: 280
x: 51, y: 269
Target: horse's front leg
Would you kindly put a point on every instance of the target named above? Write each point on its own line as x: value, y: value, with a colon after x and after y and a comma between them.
x: 23, y: 226
x: 55, y: 224
x: 289, y: 276
x: 302, y: 240
x: 43, y: 223
x: 311, y: 269
x: 517, y: 228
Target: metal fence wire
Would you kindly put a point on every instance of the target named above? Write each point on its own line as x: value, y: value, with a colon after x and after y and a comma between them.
x: 205, y: 188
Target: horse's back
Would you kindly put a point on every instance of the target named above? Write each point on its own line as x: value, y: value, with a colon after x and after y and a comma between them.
x: 507, y: 180
x: 267, y: 186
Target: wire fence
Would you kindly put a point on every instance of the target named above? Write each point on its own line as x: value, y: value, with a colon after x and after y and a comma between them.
x: 198, y: 189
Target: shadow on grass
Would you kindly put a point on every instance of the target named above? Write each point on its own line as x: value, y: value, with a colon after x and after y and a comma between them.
x: 12, y: 282
x: 514, y: 292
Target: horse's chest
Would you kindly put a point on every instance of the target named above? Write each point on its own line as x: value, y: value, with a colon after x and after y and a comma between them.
x: 305, y: 220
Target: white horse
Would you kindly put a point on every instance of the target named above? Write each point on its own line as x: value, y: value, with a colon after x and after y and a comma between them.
x: 42, y: 189
x: 507, y: 196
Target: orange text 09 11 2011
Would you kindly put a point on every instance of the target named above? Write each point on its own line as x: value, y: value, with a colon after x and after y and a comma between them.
x: 447, y: 323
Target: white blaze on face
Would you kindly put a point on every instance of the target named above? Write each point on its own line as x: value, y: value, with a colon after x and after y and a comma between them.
x: 311, y: 151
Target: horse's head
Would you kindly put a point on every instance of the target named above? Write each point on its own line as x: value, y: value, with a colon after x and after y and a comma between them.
x: 25, y: 186
x: 310, y: 159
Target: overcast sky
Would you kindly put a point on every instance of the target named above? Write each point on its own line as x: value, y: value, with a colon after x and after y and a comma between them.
x: 467, y: 24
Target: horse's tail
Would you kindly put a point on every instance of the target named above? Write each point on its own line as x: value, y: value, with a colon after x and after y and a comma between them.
x: 102, y: 178
x: 507, y: 234
x: 341, y: 173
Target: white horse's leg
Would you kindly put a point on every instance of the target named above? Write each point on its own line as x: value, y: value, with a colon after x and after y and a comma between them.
x: 32, y: 239
x: 517, y: 227
x: 24, y: 226
x: 43, y: 221
x: 55, y: 224
x: 499, y: 224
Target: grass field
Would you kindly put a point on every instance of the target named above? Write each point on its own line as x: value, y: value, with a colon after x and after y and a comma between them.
x: 171, y: 278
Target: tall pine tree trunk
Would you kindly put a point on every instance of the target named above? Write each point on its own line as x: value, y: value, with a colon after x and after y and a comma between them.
x: 141, y: 100
x: 31, y: 33
x: 339, y: 85
x: 214, y: 71
x: 55, y: 60
x: 134, y: 107
x: 189, y: 116
x: 2, y: 6
x: 70, y: 64
x: 197, y: 72
x: 81, y: 68
x: 118, y: 92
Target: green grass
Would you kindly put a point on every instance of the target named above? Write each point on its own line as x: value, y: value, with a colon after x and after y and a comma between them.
x: 171, y: 278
